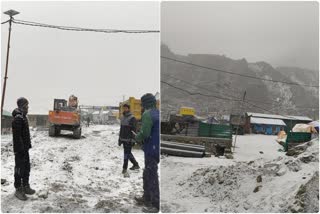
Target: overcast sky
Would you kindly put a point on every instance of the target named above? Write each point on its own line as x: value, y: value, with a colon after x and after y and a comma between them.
x: 98, y: 68
x: 280, y: 33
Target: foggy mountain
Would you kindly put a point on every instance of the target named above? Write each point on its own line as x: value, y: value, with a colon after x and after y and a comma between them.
x: 223, y: 88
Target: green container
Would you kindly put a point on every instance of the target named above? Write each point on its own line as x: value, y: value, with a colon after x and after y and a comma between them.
x: 297, y: 137
x: 215, y: 130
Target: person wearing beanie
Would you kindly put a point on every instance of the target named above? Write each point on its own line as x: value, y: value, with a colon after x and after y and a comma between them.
x: 21, y: 146
x: 126, y: 137
x: 150, y: 136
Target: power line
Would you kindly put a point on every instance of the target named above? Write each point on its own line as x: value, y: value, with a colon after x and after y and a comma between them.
x: 232, y: 73
x: 206, y: 95
x: 190, y: 83
x: 5, y: 22
x: 197, y: 93
x: 277, y: 105
x: 70, y: 28
x: 218, y: 97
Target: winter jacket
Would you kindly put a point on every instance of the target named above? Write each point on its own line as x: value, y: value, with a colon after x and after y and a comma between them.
x: 150, y: 133
x: 20, y: 132
x: 128, y: 124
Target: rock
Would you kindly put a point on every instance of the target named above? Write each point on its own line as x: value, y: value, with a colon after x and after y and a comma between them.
x: 126, y: 175
x: 43, y: 194
x: 259, y: 179
x: 211, y: 180
x: 246, y: 205
x: 261, y: 152
x: 256, y: 189
x: 281, y: 171
x: 3, y: 181
x: 221, y: 182
x: 228, y: 156
x: 250, y: 162
x: 293, y: 165
x: 307, y: 159
x: 181, y: 183
x: 229, y: 182
x: 303, y: 177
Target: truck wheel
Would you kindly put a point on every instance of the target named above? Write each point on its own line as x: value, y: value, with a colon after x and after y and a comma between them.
x: 52, y: 131
x: 57, y: 131
x: 77, y: 133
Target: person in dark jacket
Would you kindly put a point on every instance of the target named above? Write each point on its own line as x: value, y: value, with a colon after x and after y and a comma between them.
x: 21, y: 146
x: 88, y: 121
x: 150, y: 136
x: 126, y: 137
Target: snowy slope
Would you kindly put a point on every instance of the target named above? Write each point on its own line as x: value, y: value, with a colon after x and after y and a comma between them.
x: 259, y: 179
x: 76, y: 175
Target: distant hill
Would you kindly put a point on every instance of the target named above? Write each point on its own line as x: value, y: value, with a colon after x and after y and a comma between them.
x: 276, y: 97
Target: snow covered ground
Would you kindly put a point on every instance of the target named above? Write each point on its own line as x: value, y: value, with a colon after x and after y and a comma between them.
x: 74, y: 175
x: 260, y: 178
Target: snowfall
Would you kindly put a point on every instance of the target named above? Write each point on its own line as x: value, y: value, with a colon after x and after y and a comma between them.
x: 72, y: 175
x: 260, y: 178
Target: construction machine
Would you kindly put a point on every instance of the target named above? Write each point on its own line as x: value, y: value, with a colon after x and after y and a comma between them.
x: 65, y: 116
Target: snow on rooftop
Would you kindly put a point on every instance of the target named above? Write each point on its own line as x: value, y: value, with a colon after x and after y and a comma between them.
x: 302, y: 118
x: 275, y: 116
x: 257, y: 120
x: 266, y: 115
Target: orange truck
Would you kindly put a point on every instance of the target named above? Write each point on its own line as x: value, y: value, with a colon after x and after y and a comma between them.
x: 65, y: 117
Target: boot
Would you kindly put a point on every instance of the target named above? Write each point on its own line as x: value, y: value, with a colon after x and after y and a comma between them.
x: 150, y: 209
x: 124, y: 171
x: 20, y: 194
x: 28, y: 190
x: 135, y: 166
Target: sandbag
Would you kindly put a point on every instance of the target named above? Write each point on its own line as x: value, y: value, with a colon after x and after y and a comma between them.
x: 304, y: 128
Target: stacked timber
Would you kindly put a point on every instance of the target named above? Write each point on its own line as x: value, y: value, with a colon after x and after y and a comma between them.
x: 182, y: 149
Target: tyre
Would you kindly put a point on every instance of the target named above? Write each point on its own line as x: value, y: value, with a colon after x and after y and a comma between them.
x: 57, y: 131
x: 52, y: 131
x: 77, y: 133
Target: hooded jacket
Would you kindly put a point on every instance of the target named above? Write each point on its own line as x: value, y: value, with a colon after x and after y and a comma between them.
x: 150, y: 132
x: 128, y: 124
x: 20, y: 132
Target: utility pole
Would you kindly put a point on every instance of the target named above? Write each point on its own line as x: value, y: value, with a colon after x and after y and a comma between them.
x: 10, y: 13
x: 240, y: 119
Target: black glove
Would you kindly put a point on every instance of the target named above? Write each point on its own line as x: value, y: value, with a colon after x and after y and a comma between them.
x: 119, y: 142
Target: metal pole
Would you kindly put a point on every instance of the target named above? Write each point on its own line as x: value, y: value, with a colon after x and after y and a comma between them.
x: 7, y: 63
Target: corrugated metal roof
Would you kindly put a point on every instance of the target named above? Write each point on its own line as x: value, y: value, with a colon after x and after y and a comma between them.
x: 275, y: 116
x: 257, y: 120
x: 266, y: 115
x: 302, y: 118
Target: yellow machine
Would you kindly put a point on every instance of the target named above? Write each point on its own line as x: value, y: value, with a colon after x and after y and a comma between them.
x: 187, y: 111
x: 135, y: 107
